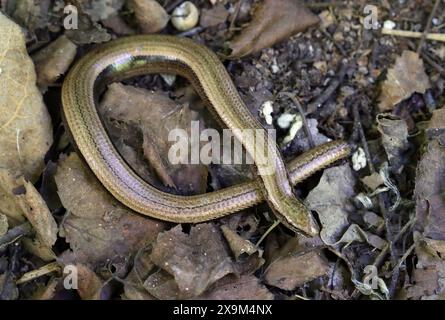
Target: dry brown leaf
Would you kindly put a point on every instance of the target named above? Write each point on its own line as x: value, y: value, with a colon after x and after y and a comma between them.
x: 373, y: 181
x: 429, y: 189
x: 89, y: 284
x: 154, y: 115
x: 19, y: 200
x: 88, y: 31
x: 394, y: 133
x: 238, y: 245
x: 273, y: 21
x: 25, y: 125
x: 118, y: 25
x: 101, y: 9
x: 330, y: 198
x: 163, y: 286
x: 426, y: 283
x: 96, y: 225
x: 150, y: 15
x: 406, y: 77
x: 196, y: 260
x: 36, y: 212
x: 246, y: 287
x: 436, y: 125
x: 292, y: 271
x: 53, y: 60
x: 214, y: 16
x: 355, y: 233
x: 134, y: 281
x: 429, y: 275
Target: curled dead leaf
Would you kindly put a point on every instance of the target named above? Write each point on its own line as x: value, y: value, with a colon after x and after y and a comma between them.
x: 238, y: 245
x: 406, y: 77
x: 21, y: 200
x: 273, y: 21
x: 394, y: 133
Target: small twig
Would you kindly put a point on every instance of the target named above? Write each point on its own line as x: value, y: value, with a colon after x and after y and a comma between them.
x: 405, y: 255
x: 413, y: 34
x: 303, y: 117
x: 191, y: 32
x: 273, y: 226
x: 431, y: 62
x: 14, y: 234
x: 335, y: 83
x: 379, y: 259
x: 37, y: 273
x: 428, y: 26
x: 235, y: 15
x: 402, y: 231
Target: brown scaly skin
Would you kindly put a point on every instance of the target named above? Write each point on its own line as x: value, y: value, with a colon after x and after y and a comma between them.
x: 138, y: 55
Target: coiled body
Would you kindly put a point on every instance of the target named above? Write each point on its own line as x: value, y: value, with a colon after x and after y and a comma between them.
x: 137, y: 55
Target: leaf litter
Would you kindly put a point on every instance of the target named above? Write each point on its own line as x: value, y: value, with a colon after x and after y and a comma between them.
x: 387, y: 214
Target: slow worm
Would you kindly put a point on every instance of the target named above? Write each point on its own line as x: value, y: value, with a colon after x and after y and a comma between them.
x: 138, y: 55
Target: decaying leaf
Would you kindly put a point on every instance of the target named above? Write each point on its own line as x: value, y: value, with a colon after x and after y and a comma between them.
x: 101, y: 9
x: 89, y: 284
x: 196, y: 260
x: 373, y: 181
x: 150, y: 15
x: 88, y: 31
x: 429, y: 276
x: 134, y: 282
x: 430, y: 186
x: 238, y: 245
x: 214, y: 16
x: 330, y: 199
x: 118, y: 25
x: 53, y: 60
x: 394, y: 133
x: 246, y: 287
x: 20, y: 200
x: 162, y: 286
x: 25, y: 125
x: 291, y: 271
x: 155, y: 116
x: 355, y: 233
x: 96, y: 225
x: 273, y: 21
x: 8, y: 286
x: 406, y: 77
x: 436, y: 125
